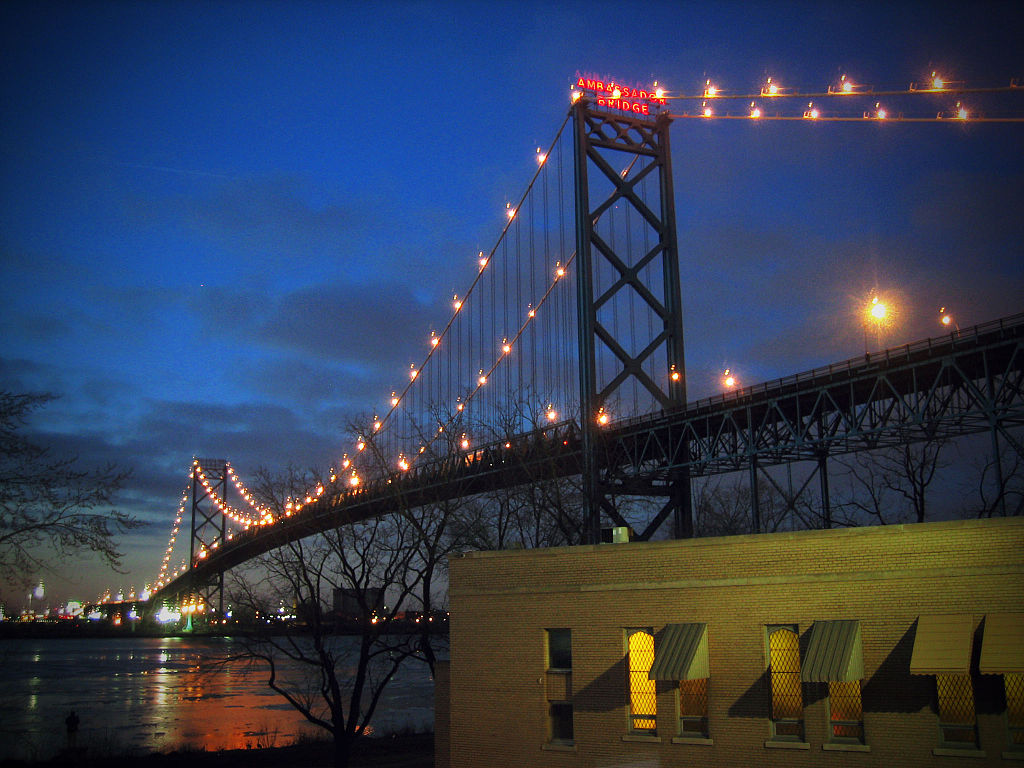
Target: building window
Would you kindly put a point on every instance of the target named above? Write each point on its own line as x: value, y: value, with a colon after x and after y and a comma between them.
x: 693, y: 708
x: 1013, y: 683
x: 956, y: 710
x: 559, y: 649
x: 559, y: 686
x: 642, y: 697
x: 784, y: 679
x: 560, y: 720
x: 846, y: 715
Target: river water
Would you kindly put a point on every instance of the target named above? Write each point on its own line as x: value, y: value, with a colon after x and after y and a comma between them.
x: 139, y: 695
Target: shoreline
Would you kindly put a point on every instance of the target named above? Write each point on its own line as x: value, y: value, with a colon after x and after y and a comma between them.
x: 397, y: 751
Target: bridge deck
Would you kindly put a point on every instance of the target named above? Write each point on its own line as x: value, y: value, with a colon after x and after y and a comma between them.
x: 959, y: 383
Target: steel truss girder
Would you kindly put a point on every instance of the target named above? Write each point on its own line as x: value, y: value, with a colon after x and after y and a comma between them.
x: 597, y: 131
x: 969, y: 382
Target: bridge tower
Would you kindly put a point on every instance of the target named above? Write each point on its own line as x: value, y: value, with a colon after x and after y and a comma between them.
x: 209, y: 525
x: 616, y: 155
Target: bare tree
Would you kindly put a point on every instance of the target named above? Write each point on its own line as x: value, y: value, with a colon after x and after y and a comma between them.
x: 340, y: 679
x: 890, y: 485
x: 999, y: 486
x: 723, y: 507
x: 543, y: 510
x: 48, y: 505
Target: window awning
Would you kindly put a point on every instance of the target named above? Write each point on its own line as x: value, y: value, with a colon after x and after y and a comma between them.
x: 833, y: 652
x: 942, y: 645
x: 1002, y: 647
x: 681, y: 653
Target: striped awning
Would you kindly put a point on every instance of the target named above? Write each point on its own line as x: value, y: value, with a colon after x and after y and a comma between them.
x: 1002, y: 647
x: 681, y: 653
x: 833, y: 652
x: 942, y: 645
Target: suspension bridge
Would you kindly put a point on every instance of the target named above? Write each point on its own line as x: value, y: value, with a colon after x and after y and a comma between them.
x: 564, y: 358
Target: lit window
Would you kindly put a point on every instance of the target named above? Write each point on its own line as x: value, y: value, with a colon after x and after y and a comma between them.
x: 1013, y: 683
x: 681, y: 655
x: 693, y: 708
x: 642, y: 697
x: 833, y: 655
x: 846, y: 715
x: 956, y: 709
x: 784, y: 678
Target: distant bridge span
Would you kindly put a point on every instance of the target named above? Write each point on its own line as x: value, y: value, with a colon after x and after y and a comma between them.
x: 968, y: 381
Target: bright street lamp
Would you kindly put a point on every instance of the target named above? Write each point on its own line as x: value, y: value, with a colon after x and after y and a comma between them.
x: 947, y: 320
x: 878, y: 315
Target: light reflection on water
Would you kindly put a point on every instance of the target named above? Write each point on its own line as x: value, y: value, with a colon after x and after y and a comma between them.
x: 155, y: 694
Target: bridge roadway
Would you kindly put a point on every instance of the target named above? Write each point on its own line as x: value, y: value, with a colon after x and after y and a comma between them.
x: 970, y: 380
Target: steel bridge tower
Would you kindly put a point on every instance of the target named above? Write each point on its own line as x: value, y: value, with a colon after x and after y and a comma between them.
x: 209, y: 526
x: 602, y: 141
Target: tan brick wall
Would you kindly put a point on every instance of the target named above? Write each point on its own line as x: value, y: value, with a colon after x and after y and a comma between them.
x: 501, y: 603
x: 442, y: 719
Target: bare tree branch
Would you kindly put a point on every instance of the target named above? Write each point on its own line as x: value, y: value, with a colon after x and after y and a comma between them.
x: 48, y: 504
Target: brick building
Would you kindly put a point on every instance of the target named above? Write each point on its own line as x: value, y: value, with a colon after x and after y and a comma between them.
x: 884, y: 646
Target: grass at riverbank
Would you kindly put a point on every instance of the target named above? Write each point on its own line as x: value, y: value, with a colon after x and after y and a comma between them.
x: 404, y: 751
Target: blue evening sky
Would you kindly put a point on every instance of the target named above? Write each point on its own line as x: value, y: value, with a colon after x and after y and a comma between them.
x: 221, y: 223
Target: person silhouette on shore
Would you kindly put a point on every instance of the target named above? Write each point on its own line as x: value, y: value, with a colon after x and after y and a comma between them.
x: 71, y: 721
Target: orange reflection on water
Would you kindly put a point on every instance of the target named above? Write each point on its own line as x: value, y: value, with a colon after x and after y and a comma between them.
x: 223, y: 708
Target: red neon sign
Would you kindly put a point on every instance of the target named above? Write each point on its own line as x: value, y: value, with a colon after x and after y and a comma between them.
x: 618, y: 96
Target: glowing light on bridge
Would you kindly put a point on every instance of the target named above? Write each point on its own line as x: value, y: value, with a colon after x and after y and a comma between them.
x: 770, y: 88
x: 878, y: 309
x: 844, y: 87
x: 755, y: 111
x: 947, y: 319
x: 710, y: 91
x: 729, y: 379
